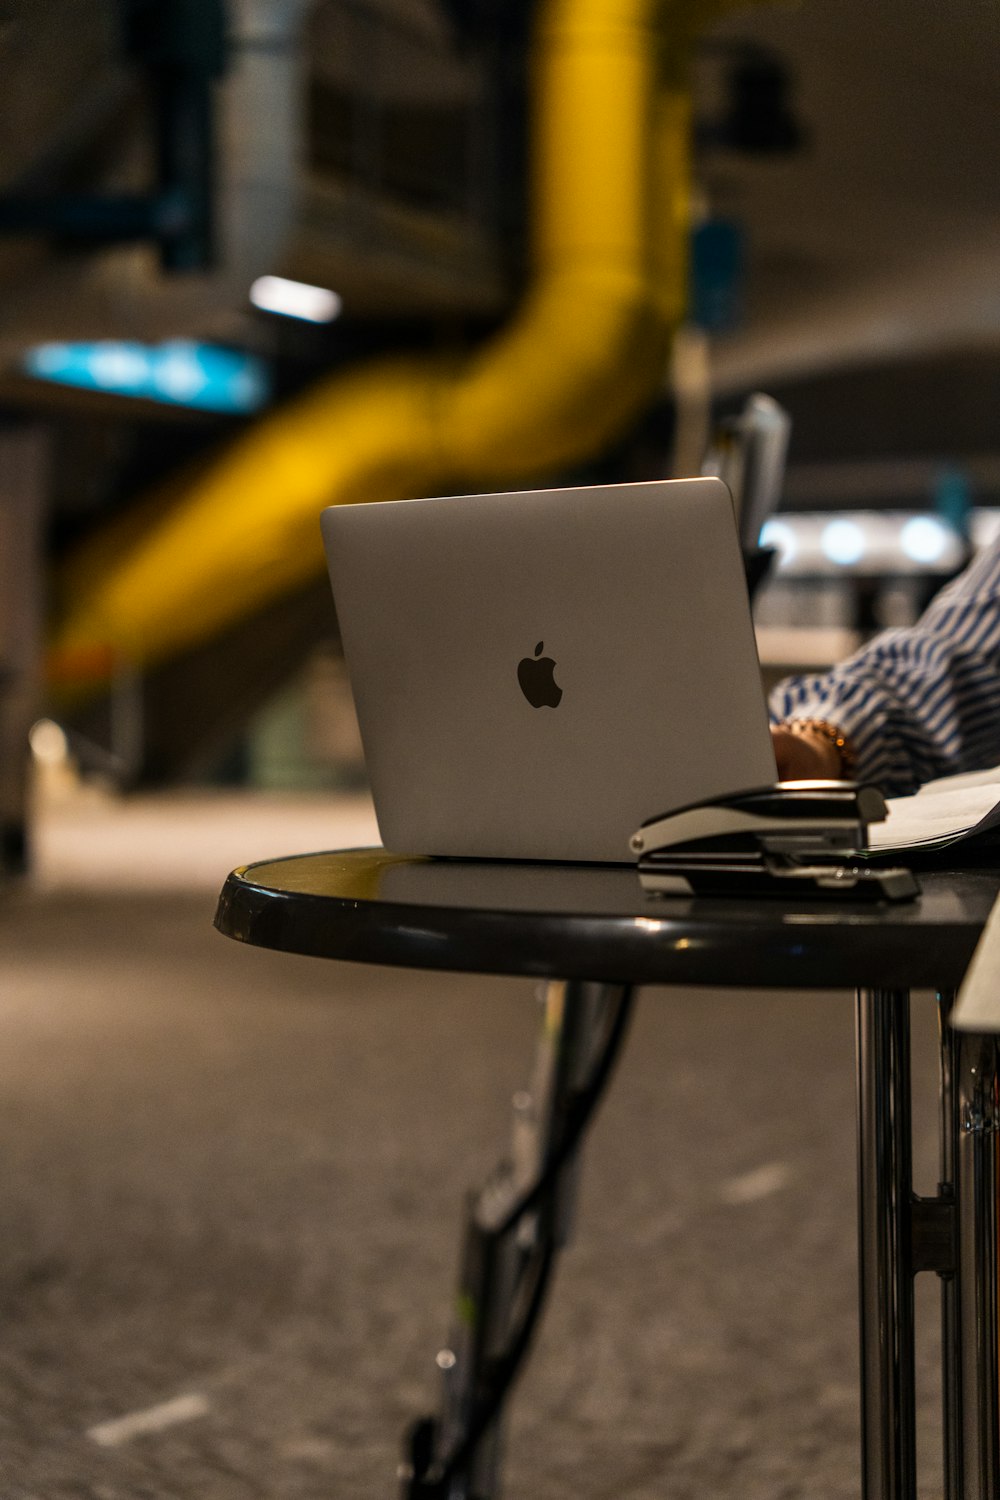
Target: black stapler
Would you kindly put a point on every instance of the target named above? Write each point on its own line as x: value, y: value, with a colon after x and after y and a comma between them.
x: 795, y: 838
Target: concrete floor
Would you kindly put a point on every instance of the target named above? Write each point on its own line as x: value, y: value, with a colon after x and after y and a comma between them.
x: 231, y: 1192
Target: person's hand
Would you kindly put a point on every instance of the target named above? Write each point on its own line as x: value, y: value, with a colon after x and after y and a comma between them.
x: 805, y: 755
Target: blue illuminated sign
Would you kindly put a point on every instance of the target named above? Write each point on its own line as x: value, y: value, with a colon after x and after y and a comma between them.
x: 180, y: 372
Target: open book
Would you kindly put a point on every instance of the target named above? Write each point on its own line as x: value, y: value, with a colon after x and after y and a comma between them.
x: 956, y: 809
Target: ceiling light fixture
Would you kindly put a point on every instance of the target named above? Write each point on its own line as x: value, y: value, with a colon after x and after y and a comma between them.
x: 925, y: 540
x: 843, y: 542
x: 294, y: 299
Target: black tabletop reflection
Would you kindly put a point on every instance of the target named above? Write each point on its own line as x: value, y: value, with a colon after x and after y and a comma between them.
x: 595, y: 922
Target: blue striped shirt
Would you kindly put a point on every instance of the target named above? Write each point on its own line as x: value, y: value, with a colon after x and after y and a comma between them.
x: 918, y: 702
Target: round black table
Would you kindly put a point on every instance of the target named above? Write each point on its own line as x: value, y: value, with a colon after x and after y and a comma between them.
x: 594, y: 932
x: 594, y: 922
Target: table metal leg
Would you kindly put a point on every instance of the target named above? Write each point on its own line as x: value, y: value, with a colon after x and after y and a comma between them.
x: 954, y: 1234
x: 888, y: 1441
x: 970, y: 1120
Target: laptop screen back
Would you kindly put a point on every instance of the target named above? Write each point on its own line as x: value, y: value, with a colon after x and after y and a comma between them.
x: 537, y: 673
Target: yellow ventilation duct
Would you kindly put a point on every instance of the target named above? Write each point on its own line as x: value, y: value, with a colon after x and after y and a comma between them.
x: 585, y: 352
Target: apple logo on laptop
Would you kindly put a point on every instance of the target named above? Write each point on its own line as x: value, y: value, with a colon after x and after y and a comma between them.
x: 535, y: 674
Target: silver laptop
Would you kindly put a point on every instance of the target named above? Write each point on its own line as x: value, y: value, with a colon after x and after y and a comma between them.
x: 537, y: 673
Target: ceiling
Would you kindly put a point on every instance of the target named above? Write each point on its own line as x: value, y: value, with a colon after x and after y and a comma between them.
x: 875, y: 244
x: 879, y: 240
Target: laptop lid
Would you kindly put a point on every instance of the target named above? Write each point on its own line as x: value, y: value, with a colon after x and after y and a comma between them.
x: 536, y: 673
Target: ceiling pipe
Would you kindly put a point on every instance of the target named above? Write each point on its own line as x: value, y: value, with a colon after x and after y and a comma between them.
x: 584, y: 354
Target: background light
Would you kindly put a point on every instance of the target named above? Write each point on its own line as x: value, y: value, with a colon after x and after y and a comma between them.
x: 780, y: 535
x: 295, y: 299
x: 48, y: 742
x: 180, y: 372
x: 843, y: 542
x: 924, y: 539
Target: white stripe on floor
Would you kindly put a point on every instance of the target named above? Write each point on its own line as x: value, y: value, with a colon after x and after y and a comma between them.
x: 153, y: 1419
x: 760, y: 1183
